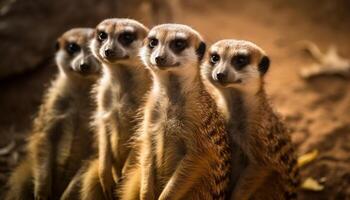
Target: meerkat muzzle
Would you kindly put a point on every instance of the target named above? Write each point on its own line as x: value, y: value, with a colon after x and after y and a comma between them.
x: 160, y: 60
x: 111, y: 55
x: 84, y: 68
x: 163, y: 62
x: 221, y: 77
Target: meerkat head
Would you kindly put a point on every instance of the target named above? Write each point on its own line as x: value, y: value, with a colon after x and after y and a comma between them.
x: 73, y: 55
x: 118, y: 40
x: 172, y: 47
x: 235, y: 64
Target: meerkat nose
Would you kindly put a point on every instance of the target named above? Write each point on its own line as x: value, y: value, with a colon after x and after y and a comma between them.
x: 221, y: 77
x: 109, y: 53
x: 84, y: 67
x: 160, y: 60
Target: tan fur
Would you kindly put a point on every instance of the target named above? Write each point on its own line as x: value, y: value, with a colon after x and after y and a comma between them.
x: 61, y: 137
x: 21, y: 183
x: 119, y: 96
x: 266, y: 162
x: 183, y: 145
x: 91, y: 187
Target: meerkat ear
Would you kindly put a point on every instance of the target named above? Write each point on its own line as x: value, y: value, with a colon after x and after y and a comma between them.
x: 201, y: 50
x: 57, y: 45
x: 264, y: 65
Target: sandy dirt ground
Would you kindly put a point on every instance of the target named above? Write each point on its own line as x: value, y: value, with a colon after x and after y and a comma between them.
x: 317, y: 111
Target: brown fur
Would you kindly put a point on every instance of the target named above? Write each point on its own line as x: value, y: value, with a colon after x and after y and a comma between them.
x: 61, y: 137
x: 183, y: 145
x: 119, y: 95
x: 265, y: 161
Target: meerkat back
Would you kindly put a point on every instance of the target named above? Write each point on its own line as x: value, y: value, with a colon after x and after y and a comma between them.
x: 61, y: 137
x: 265, y: 160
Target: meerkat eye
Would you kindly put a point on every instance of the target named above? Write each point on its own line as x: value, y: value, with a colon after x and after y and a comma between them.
x: 127, y: 38
x: 214, y: 58
x: 240, y: 61
x: 178, y: 45
x: 153, y: 42
x: 101, y: 36
x: 72, y: 48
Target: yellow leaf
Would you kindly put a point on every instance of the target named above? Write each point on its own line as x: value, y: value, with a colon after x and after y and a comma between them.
x: 307, y: 158
x: 312, y: 185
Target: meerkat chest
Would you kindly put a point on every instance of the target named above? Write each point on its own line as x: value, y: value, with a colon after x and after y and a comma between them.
x: 169, y: 151
x: 166, y: 126
x: 254, y: 136
x: 76, y: 136
x: 117, y: 103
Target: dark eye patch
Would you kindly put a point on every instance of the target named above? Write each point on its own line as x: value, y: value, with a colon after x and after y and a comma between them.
x: 72, y: 48
x: 101, y: 36
x: 240, y: 61
x: 178, y: 45
x: 127, y: 38
x: 153, y: 42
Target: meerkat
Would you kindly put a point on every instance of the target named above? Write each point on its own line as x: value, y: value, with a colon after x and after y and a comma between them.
x: 61, y: 137
x: 184, y: 148
x: 266, y: 162
x: 119, y: 96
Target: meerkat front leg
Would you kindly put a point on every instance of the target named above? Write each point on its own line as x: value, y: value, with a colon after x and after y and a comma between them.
x: 42, y: 170
x: 43, y: 182
x: 105, y: 163
x: 147, y: 189
x: 130, y: 188
x: 43, y: 156
x: 186, y: 174
x: 20, y: 183
x: 73, y: 189
x: 91, y: 188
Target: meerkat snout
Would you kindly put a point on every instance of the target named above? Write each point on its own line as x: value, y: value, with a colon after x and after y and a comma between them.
x: 118, y: 40
x: 110, y: 54
x: 220, y: 76
x: 84, y: 68
x: 160, y: 60
x: 73, y: 55
x: 85, y: 63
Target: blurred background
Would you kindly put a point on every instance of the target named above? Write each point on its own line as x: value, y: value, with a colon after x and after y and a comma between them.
x: 308, y: 42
